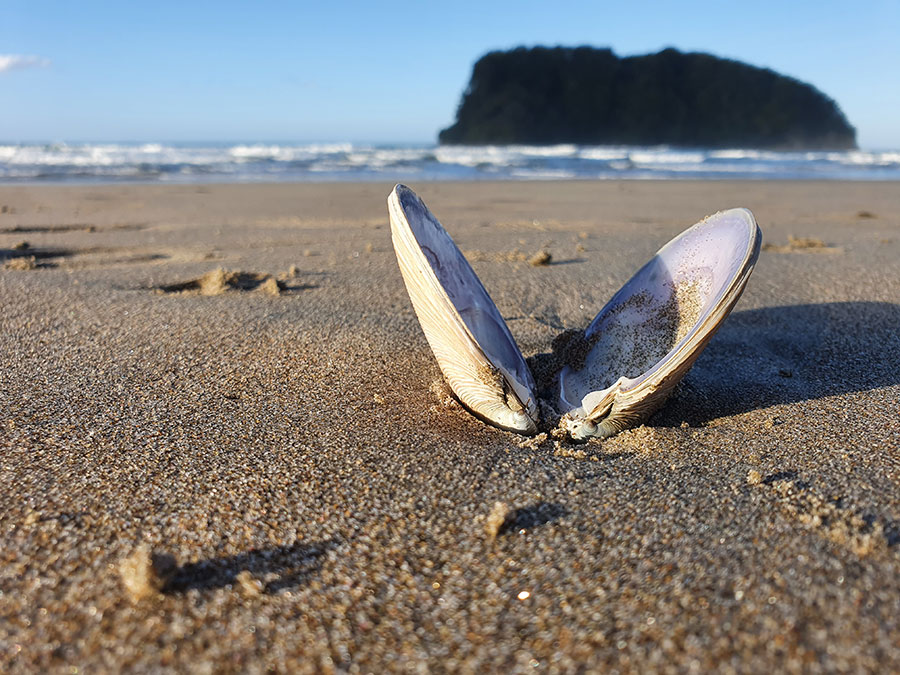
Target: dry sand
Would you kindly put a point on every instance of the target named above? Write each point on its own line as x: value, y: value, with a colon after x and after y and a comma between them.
x: 263, y: 478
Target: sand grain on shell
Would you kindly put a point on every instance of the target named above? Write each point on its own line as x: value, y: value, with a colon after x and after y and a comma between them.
x: 636, y: 335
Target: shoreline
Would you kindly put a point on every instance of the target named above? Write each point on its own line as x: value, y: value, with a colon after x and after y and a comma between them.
x: 152, y: 163
x: 331, y: 182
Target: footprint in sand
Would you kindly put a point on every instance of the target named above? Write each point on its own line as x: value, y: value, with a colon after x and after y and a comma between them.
x: 219, y: 281
x: 864, y: 534
x: 802, y: 245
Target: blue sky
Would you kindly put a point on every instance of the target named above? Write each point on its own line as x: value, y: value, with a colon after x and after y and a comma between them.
x: 383, y: 72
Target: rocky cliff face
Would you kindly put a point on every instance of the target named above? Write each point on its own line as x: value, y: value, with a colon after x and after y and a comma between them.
x: 591, y: 96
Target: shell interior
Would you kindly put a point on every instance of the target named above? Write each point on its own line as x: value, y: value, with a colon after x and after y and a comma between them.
x: 470, y: 339
x: 647, y: 337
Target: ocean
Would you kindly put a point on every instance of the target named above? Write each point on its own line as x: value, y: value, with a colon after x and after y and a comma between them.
x: 260, y: 162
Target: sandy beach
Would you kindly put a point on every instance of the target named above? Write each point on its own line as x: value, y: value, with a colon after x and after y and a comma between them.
x: 222, y: 448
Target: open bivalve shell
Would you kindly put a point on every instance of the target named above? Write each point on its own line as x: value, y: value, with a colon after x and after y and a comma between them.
x: 615, y: 373
x: 469, y: 338
x: 648, y: 336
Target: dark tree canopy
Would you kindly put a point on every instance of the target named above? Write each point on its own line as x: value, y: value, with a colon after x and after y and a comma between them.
x: 591, y: 96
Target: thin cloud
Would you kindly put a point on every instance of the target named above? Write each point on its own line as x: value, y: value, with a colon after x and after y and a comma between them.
x: 19, y: 61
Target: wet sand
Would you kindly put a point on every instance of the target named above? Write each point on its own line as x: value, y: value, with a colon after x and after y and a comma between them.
x: 221, y: 448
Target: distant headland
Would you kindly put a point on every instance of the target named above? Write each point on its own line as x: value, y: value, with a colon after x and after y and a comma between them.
x: 590, y: 96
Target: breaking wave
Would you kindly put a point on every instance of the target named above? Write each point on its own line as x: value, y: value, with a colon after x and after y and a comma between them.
x: 255, y: 162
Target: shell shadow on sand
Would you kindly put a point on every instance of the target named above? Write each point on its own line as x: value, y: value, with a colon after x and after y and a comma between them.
x: 533, y: 516
x: 281, y: 567
x: 24, y: 256
x: 777, y: 355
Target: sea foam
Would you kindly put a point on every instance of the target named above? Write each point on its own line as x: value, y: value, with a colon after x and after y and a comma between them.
x: 194, y: 162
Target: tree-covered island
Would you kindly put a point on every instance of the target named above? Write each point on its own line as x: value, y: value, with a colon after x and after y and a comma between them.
x: 591, y: 96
